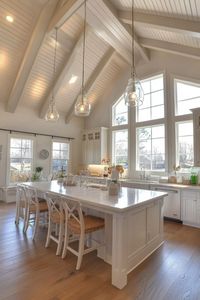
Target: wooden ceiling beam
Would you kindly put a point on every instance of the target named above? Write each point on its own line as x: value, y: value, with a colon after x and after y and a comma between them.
x: 92, y: 79
x: 161, y: 22
x: 171, y: 48
x: 30, y: 55
x: 63, y: 13
x: 63, y: 75
x: 106, y: 23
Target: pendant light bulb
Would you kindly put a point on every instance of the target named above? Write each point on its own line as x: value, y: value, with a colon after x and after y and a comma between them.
x: 52, y: 114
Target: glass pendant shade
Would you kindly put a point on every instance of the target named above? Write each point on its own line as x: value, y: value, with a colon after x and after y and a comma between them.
x: 82, y: 107
x: 52, y: 113
x: 134, y: 95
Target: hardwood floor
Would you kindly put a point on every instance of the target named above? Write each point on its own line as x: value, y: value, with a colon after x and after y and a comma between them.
x: 28, y: 271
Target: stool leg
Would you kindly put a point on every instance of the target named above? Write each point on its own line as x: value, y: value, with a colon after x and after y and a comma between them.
x: 66, y: 239
x: 60, y: 239
x: 80, y: 250
x: 37, y: 217
x: 48, y: 234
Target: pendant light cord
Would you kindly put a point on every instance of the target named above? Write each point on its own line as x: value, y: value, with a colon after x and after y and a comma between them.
x: 54, y: 65
x: 84, y: 44
x: 133, y: 40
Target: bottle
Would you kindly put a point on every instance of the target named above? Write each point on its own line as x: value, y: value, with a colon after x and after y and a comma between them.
x: 194, y: 178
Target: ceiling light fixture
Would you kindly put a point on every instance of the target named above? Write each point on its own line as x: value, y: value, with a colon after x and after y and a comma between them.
x: 134, y: 95
x: 82, y: 106
x: 73, y: 79
x: 10, y: 19
x: 52, y: 114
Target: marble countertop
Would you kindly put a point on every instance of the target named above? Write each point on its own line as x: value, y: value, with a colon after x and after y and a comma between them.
x: 127, y: 199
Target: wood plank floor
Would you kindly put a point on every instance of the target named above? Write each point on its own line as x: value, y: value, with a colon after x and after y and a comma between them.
x: 28, y: 271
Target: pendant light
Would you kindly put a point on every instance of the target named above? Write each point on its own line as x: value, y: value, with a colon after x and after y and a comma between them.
x: 134, y: 95
x: 82, y: 106
x: 52, y: 114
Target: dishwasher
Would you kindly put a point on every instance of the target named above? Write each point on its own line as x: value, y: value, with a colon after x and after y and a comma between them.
x: 172, y: 202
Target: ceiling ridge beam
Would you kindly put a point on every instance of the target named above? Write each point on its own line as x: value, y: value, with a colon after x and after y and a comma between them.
x: 31, y: 52
x: 63, y: 74
x: 163, y: 22
x: 171, y: 48
x: 92, y: 79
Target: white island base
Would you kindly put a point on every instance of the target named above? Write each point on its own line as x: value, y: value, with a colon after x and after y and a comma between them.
x: 133, y: 223
x: 130, y: 238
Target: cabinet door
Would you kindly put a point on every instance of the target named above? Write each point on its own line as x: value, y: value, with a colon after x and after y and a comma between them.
x: 97, y: 148
x: 84, y: 149
x: 191, y: 214
x: 90, y: 148
x: 172, y: 207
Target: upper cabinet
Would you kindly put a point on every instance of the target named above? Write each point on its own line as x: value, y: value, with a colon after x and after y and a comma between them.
x: 94, y: 145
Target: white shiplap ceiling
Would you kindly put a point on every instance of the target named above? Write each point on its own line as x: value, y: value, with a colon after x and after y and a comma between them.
x: 108, y: 43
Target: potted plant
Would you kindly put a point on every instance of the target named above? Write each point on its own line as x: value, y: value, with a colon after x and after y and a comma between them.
x: 36, y: 175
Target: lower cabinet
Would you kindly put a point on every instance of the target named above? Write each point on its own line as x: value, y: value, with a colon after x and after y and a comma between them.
x: 190, y: 207
x: 172, y: 203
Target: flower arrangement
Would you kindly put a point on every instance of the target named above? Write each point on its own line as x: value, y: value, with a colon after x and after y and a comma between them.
x: 105, y: 161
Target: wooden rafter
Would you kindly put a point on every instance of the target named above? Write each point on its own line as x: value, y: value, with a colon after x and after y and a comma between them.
x: 30, y: 54
x: 93, y: 78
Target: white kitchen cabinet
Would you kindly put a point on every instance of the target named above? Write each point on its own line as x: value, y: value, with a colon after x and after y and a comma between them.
x: 172, y: 203
x: 94, y: 145
x: 190, y: 207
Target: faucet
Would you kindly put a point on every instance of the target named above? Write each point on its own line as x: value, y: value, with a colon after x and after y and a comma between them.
x: 143, y: 174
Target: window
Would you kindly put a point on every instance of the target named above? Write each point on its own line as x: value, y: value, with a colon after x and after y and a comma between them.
x: 60, y: 157
x: 120, y: 113
x: 184, y: 134
x: 120, y: 148
x: 151, y: 148
x: 21, y: 159
x: 187, y: 96
x: 153, y: 105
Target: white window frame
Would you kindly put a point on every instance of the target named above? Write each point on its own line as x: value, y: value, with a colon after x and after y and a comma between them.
x: 55, y: 140
x: 150, y: 94
x: 137, y: 141
x: 19, y: 136
x: 187, y: 82
x: 113, y: 149
x: 150, y: 123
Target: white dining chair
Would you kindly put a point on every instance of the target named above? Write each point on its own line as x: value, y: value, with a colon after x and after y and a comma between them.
x: 79, y: 227
x: 56, y: 220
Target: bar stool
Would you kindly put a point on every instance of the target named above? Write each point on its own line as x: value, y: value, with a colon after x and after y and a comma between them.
x: 34, y: 209
x: 56, y: 219
x: 21, y: 205
x: 79, y: 226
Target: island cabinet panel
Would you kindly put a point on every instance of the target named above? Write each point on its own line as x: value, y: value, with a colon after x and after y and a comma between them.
x: 153, y: 222
x: 191, y: 208
x: 136, y: 224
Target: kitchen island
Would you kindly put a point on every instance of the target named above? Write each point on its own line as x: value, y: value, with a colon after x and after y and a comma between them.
x: 133, y: 223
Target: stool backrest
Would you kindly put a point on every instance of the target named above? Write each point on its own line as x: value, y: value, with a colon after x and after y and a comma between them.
x: 73, y: 212
x: 31, y: 196
x: 54, y: 203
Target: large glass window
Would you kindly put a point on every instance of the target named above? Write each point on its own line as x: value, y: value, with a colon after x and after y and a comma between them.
x: 187, y: 96
x: 153, y: 105
x: 60, y: 157
x: 184, y: 137
x: 120, y: 148
x: 151, y: 148
x: 21, y: 159
x: 119, y: 113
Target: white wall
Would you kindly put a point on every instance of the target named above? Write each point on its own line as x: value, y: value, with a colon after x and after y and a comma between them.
x: 169, y: 64
x: 27, y: 120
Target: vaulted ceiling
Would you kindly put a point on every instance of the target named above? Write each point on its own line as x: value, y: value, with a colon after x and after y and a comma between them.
x: 27, y: 46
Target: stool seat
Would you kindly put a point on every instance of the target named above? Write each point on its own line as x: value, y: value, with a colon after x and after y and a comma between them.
x: 92, y: 223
